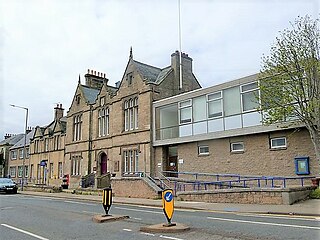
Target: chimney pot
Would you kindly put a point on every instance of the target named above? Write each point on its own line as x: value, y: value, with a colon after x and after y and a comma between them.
x: 88, y: 70
x: 91, y: 71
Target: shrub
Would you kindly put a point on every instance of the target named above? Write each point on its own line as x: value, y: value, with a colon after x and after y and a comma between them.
x: 315, y: 194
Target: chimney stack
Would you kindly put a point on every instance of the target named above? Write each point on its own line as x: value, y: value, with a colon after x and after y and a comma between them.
x: 58, y: 112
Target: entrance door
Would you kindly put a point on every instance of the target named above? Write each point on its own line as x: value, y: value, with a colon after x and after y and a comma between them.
x: 172, y: 161
x: 103, y: 164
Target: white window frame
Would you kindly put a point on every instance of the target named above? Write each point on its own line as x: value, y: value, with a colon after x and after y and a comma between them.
x: 215, y: 100
x: 272, y: 146
x: 13, y: 171
x: 201, y: 148
x: 14, y: 155
x: 20, y: 171
x: 183, y: 105
x: 21, y: 153
x: 243, y: 92
x: 131, y: 114
x: 236, y: 150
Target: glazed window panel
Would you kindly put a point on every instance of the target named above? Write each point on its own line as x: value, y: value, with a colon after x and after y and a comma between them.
x: 249, y: 94
x: 199, y: 109
x: 13, y: 171
x: 131, y: 114
x: 20, y: 171
x: 237, y: 147
x: 280, y: 142
x: 231, y: 101
x: 14, y: 154
x: 20, y: 153
x: 203, y: 150
x: 60, y: 170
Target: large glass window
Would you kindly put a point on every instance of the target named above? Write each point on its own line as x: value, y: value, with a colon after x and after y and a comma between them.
x: 214, y: 105
x: 231, y: 101
x: 199, y: 109
x: 12, y: 171
x: 131, y: 114
x: 185, y: 109
x: 103, y: 122
x: 249, y: 94
x: 77, y: 122
x: 76, y: 166
x: 131, y: 161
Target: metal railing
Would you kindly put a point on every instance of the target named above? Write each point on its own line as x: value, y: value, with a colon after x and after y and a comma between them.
x: 233, y: 181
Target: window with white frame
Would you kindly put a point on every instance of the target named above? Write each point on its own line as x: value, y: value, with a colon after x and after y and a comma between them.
x: 76, y: 166
x: 214, y: 105
x: 77, y: 122
x: 20, y: 153
x: 13, y: 154
x: 249, y: 94
x: 279, y: 142
x: 20, y: 171
x: 102, y: 101
x: 203, y: 150
x: 103, y: 122
x: 131, y: 161
x: 185, y: 111
x: 12, y: 171
x: 237, y: 147
x: 131, y: 114
x: 60, y: 170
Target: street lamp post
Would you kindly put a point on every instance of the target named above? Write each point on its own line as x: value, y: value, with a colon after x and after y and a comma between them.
x: 24, y: 145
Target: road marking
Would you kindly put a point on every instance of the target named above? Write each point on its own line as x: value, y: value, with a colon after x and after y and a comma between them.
x: 303, y: 218
x: 173, y: 238
x: 263, y: 223
x: 137, y: 219
x: 25, y: 232
x: 127, y: 230
x: 5, y: 208
x: 82, y: 203
x: 136, y: 210
x: 148, y: 234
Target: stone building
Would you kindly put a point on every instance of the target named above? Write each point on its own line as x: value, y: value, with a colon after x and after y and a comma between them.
x: 47, y: 148
x: 219, y: 130
x: 109, y: 129
x: 5, y: 145
x: 19, y: 162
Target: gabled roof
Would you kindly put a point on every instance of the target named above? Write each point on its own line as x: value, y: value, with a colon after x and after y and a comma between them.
x: 90, y: 93
x: 12, y: 140
x: 20, y: 143
x: 148, y: 73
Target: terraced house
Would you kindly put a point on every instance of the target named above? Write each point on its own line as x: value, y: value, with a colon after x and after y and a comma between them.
x: 109, y: 129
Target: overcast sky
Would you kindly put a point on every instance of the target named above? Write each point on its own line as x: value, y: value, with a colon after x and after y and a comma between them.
x: 45, y: 45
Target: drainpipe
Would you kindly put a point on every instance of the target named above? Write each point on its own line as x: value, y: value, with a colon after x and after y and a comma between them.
x: 90, y: 141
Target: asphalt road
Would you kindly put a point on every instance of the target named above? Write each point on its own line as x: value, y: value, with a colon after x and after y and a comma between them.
x: 33, y: 217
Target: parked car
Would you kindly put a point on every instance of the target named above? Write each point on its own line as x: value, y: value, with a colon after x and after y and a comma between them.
x: 8, y: 186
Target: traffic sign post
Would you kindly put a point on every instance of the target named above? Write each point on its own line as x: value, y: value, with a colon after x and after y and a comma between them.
x: 168, y: 205
x: 107, y: 199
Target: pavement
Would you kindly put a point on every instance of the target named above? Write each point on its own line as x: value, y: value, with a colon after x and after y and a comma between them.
x: 309, y: 207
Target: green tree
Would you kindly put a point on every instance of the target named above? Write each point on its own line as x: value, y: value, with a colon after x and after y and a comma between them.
x: 289, y: 79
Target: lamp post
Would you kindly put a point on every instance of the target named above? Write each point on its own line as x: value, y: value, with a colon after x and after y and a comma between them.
x: 24, y: 145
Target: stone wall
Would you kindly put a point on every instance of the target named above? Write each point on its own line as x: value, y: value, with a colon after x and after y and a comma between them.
x: 134, y: 188
x: 248, y: 196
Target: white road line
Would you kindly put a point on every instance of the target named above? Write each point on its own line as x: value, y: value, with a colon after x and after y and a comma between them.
x: 303, y: 218
x: 82, y: 203
x: 25, y: 232
x: 5, y: 208
x: 137, y: 219
x: 148, y: 234
x: 127, y: 230
x: 263, y: 223
x: 136, y: 210
x: 173, y: 238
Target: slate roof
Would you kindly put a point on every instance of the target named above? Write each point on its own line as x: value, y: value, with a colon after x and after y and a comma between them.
x: 20, y: 143
x: 150, y: 73
x: 12, y: 140
x: 90, y: 93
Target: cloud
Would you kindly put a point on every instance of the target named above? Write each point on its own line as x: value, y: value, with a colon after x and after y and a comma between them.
x: 45, y: 45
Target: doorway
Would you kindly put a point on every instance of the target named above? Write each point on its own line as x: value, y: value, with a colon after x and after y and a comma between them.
x: 103, y: 163
x: 172, y: 161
